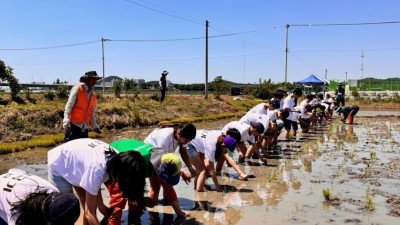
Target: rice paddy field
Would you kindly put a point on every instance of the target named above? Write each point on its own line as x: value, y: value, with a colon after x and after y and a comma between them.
x: 336, y: 174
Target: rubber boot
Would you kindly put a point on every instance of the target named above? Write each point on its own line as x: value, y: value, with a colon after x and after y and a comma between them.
x: 349, y: 119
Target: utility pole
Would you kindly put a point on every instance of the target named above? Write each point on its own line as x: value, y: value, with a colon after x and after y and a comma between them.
x: 206, y: 84
x: 362, y: 65
x: 244, y: 61
x: 286, y: 50
x: 326, y: 74
x: 102, y: 53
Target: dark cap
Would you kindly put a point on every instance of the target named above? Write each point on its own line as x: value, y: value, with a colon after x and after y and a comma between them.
x: 164, y: 73
x: 64, y: 209
x: 275, y: 103
x: 258, y: 126
x: 230, y: 143
x: 166, y: 165
x: 89, y: 74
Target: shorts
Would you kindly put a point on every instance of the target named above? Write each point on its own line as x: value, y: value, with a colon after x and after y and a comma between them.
x: 2, y: 222
x: 191, y: 150
x: 291, y: 124
x: 60, y: 183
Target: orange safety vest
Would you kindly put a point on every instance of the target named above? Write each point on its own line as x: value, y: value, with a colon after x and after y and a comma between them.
x: 83, y: 109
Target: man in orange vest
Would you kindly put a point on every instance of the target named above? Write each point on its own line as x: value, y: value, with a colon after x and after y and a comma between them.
x: 79, y: 114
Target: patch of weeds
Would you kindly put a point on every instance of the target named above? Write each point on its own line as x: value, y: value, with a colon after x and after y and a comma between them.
x: 136, y: 115
x: 350, y: 155
x: 244, y: 105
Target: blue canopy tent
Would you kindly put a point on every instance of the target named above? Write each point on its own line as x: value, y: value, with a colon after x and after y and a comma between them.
x: 314, y: 80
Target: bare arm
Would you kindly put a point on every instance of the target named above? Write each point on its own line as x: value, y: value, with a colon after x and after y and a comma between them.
x: 90, y: 209
x: 186, y: 160
x: 211, y: 169
x: 234, y: 165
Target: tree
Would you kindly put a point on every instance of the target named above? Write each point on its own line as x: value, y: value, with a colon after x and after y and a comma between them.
x: 6, y: 73
x: 117, y: 86
x: 220, y: 87
x: 129, y: 84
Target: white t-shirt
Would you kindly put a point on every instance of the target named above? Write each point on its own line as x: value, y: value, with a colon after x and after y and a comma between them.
x: 257, y: 118
x: 304, y: 115
x: 288, y: 103
x: 328, y: 100
x: 314, y: 102
x: 206, y: 143
x: 326, y: 106
x: 302, y: 105
x: 242, y: 128
x: 260, y: 108
x: 15, y: 185
x: 81, y: 162
x: 163, y: 138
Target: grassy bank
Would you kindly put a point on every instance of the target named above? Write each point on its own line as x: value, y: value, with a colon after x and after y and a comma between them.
x: 39, y: 125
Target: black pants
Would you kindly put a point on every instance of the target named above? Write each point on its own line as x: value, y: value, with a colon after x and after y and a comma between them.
x: 75, y: 132
x: 163, y: 91
x: 340, y: 101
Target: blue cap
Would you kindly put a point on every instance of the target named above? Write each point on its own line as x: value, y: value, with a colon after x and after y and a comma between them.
x: 230, y: 143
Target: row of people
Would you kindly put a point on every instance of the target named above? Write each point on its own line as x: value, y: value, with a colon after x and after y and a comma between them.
x: 83, y: 165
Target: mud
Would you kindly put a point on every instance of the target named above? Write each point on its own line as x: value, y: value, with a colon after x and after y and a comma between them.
x: 357, y: 166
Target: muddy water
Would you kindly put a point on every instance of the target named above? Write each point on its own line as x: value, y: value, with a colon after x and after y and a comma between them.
x: 358, y: 165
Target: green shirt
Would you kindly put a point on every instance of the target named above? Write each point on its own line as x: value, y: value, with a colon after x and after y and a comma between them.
x: 126, y: 145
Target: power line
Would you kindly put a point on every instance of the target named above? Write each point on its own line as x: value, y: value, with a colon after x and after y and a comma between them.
x: 128, y: 40
x: 181, y: 39
x: 344, y: 50
x: 344, y: 24
x: 245, y: 39
x: 49, y: 47
x: 165, y: 13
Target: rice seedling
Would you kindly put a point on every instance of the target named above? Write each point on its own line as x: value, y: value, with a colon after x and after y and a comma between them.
x: 273, y: 177
x: 326, y: 192
x: 369, y: 201
x: 372, y: 153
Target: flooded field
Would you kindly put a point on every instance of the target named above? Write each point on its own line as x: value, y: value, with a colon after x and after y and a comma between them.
x: 337, y: 174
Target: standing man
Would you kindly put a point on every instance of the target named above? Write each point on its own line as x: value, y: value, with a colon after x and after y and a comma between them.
x: 340, y: 95
x: 79, y: 114
x: 289, y: 104
x: 163, y: 84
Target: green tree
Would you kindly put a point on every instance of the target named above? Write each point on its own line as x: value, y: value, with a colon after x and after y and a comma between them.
x: 62, y: 91
x: 129, y: 84
x: 6, y: 73
x: 220, y: 87
x: 117, y: 86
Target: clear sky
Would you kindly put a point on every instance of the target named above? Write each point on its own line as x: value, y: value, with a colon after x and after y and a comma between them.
x: 247, y: 39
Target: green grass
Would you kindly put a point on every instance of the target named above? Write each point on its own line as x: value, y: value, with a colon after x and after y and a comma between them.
x: 38, y: 141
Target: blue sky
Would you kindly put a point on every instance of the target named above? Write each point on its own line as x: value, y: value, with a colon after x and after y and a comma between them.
x: 257, y: 52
